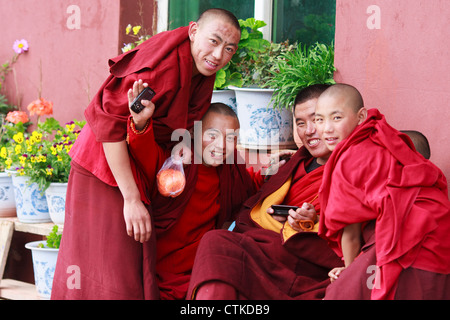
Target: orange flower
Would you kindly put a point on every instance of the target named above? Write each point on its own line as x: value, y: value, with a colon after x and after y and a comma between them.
x: 17, y: 116
x: 41, y: 107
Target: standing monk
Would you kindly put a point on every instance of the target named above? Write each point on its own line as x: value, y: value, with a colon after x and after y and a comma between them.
x: 385, y: 208
x: 268, y: 257
x: 107, y: 224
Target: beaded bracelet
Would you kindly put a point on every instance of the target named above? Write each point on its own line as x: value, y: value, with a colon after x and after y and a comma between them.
x: 133, y: 127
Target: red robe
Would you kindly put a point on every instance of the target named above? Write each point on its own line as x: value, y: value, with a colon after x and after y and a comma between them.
x: 376, y: 175
x: 211, y: 197
x: 165, y: 63
x: 264, y: 264
x: 112, y: 265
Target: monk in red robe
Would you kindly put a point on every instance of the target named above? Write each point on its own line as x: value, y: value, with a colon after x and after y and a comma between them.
x: 108, y: 225
x: 269, y: 257
x: 215, y: 189
x: 378, y: 188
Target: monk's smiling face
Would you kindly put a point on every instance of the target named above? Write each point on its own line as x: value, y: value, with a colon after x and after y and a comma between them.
x: 219, y: 139
x: 213, y: 43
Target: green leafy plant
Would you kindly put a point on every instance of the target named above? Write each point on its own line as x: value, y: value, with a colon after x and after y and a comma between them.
x: 53, y: 239
x: 299, y: 68
x: 251, y: 44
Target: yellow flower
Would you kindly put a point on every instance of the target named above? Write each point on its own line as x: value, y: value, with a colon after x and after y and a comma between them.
x: 18, y: 149
x: 22, y: 160
x: 49, y: 171
x: 54, y: 151
x: 42, y: 158
x: 37, y: 136
x: 136, y: 29
x: 8, y: 163
x: 59, y: 158
x: 70, y: 127
x: 3, y: 153
x: 128, y: 29
x: 18, y: 137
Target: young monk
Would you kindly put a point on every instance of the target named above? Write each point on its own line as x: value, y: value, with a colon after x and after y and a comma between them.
x: 378, y: 188
x: 107, y: 224
x: 267, y: 257
x: 215, y: 189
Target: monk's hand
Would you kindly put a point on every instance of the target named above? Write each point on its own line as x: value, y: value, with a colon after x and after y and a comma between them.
x: 334, y: 274
x: 182, y: 151
x: 137, y: 220
x: 140, y: 119
x: 305, y: 212
x: 277, y: 160
x: 279, y: 218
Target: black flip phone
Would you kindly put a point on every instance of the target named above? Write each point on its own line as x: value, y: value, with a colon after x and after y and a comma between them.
x: 282, y: 210
x: 146, y: 94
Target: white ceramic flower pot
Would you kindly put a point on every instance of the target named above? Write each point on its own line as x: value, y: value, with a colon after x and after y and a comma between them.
x: 7, y: 201
x: 44, y: 264
x: 225, y: 96
x: 262, y: 126
x: 31, y: 203
x: 56, y: 200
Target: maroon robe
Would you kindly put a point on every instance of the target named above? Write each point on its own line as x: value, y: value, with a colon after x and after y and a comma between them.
x: 257, y: 262
x: 377, y: 175
x: 181, y: 222
x: 110, y: 264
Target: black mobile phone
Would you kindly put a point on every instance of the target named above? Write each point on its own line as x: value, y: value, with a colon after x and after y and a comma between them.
x: 146, y: 94
x: 282, y: 210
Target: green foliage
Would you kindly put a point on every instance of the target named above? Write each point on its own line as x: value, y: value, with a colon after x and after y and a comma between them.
x: 53, y: 239
x: 300, y: 68
x: 251, y: 45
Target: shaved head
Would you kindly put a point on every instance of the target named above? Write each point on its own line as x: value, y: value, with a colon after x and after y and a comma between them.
x: 345, y: 94
x: 223, y: 14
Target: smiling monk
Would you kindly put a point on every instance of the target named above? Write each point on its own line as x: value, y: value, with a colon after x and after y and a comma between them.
x: 384, y: 206
x: 108, y: 224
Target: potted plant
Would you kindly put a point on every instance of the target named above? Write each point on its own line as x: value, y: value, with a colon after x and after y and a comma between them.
x: 45, y: 254
x: 262, y: 126
x: 48, y: 162
x: 38, y: 160
x: 14, y: 122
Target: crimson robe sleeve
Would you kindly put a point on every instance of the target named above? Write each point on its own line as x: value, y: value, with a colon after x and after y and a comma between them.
x: 146, y: 153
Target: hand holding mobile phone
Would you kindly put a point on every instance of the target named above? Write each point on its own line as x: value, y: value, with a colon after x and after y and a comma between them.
x: 146, y: 94
x: 282, y: 210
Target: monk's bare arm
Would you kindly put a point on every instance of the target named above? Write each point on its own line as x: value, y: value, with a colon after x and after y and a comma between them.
x: 351, y: 242
x: 137, y: 218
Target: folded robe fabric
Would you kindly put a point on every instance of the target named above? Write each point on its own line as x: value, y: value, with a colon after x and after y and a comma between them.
x: 376, y: 174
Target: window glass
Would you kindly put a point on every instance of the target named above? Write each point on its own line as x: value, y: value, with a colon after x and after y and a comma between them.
x: 181, y: 12
x: 304, y: 21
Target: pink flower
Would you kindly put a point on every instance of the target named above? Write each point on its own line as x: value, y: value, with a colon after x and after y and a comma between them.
x: 41, y: 107
x: 17, y: 116
x: 20, y: 46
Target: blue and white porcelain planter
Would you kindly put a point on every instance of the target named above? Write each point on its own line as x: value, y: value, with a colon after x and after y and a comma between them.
x: 225, y: 96
x: 7, y: 201
x: 31, y: 203
x: 262, y: 126
x: 44, y: 264
x: 56, y: 200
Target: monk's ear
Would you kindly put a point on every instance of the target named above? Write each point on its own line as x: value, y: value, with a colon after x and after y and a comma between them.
x: 193, y: 29
x: 362, y: 115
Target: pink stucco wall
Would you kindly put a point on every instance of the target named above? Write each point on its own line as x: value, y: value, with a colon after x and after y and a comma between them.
x: 74, y: 61
x: 398, y: 55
